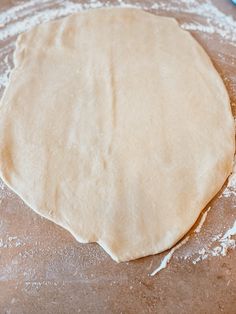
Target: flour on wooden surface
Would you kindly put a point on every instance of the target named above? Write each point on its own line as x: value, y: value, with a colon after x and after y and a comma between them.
x: 165, y: 261
x: 231, y: 186
x: 11, y: 242
x: 218, y: 246
x: 24, y: 16
x: 202, y: 17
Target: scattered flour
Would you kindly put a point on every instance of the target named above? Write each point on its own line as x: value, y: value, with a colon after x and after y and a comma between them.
x: 6, y: 71
x: 231, y: 186
x: 11, y: 242
x: 199, y: 27
x: 215, y: 21
x: 165, y: 261
x: 24, y: 16
x: 5, y: 192
x: 225, y: 243
x: 219, y: 246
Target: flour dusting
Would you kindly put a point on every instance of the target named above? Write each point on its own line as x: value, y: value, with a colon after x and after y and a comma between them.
x: 168, y: 257
x: 225, y: 243
x: 231, y: 186
x: 215, y: 21
x: 218, y: 246
x: 11, y: 242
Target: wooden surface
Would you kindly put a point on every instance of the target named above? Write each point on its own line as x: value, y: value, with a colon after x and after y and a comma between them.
x: 44, y: 270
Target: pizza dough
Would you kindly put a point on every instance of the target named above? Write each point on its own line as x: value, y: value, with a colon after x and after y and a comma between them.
x: 116, y: 126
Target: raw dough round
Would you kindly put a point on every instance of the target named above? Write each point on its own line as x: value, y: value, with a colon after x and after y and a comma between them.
x: 116, y: 126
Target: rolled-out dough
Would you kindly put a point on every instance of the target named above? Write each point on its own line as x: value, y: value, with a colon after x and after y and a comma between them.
x: 116, y: 126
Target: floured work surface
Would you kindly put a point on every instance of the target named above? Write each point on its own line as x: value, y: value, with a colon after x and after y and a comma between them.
x: 46, y: 263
